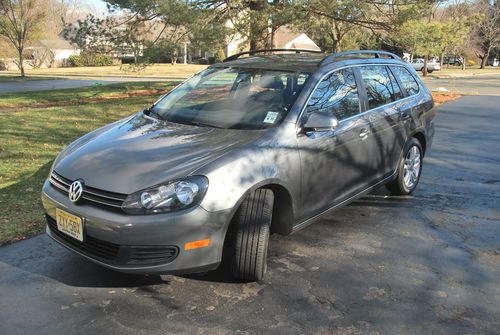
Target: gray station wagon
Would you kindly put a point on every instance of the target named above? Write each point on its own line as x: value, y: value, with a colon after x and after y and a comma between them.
x: 265, y: 142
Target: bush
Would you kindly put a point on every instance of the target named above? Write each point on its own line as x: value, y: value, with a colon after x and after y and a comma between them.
x: 75, y: 60
x: 101, y: 60
x: 471, y: 62
x: 90, y: 60
x: 220, y: 56
x: 3, y: 66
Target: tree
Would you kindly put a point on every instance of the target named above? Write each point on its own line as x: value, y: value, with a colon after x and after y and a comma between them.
x: 487, y: 33
x: 19, y: 23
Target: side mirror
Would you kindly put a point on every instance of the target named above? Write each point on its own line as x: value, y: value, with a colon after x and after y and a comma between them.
x: 321, y: 122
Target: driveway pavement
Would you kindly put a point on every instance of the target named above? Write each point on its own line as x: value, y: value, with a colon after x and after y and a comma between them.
x: 422, y: 264
x: 481, y: 84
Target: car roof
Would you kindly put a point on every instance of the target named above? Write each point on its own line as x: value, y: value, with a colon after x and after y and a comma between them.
x: 286, y: 62
x: 306, y: 61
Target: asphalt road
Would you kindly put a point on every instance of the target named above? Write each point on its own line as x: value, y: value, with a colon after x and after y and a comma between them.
x: 422, y: 264
x: 56, y: 84
x: 476, y: 85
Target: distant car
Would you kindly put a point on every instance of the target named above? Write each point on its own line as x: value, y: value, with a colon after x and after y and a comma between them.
x: 432, y: 65
x: 451, y: 60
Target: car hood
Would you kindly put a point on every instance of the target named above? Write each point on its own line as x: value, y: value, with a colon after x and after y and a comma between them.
x: 141, y: 152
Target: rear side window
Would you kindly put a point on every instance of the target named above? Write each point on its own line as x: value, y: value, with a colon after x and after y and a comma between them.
x: 337, y: 94
x: 397, y: 93
x: 378, y: 85
x: 407, y: 80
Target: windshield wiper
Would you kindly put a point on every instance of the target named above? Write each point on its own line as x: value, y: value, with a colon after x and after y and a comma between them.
x: 199, y: 124
x: 152, y: 113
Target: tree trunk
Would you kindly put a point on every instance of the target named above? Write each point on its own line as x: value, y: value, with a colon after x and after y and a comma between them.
x: 21, y: 61
x: 484, y: 59
x: 426, y: 61
x: 441, y: 59
x: 255, y: 34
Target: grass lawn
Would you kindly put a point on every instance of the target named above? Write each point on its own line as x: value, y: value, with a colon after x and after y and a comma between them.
x: 35, y: 126
x: 156, y: 70
x: 456, y: 71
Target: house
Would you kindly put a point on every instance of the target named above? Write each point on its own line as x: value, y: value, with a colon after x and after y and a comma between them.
x: 50, y: 53
x: 285, y: 38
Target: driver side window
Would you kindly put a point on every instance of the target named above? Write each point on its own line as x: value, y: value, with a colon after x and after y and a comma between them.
x: 337, y: 94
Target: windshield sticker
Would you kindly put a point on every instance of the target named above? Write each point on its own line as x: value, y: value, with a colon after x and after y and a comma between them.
x: 271, y: 117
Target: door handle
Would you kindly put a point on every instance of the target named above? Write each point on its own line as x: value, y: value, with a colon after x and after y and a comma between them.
x: 363, y: 133
x: 404, y: 116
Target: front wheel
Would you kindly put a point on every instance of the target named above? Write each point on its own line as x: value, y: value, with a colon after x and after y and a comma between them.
x: 409, y: 169
x: 250, y: 236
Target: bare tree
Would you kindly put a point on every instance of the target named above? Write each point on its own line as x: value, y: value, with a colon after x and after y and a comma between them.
x: 487, y: 33
x: 19, y: 20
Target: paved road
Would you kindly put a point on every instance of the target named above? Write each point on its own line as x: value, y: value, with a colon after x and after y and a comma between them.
x: 55, y: 84
x: 482, y: 84
x: 423, y: 264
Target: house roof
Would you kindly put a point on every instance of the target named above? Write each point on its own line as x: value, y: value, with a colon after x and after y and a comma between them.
x: 55, y: 44
x: 285, y: 35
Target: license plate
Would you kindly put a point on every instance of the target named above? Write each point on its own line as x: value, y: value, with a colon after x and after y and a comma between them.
x: 69, y: 224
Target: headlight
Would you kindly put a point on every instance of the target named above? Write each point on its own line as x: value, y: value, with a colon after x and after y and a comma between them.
x: 171, y: 196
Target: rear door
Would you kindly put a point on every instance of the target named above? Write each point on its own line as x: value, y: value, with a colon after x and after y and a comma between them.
x: 383, y: 99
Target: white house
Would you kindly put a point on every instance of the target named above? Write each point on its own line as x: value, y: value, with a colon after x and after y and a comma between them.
x: 50, y: 52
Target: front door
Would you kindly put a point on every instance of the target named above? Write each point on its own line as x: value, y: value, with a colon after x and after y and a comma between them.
x: 333, y: 163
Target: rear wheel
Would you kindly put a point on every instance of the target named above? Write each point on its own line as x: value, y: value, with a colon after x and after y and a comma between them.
x: 409, y: 168
x: 250, y: 236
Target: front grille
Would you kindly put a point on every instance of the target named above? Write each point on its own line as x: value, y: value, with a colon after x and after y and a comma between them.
x: 90, y: 194
x: 115, y: 253
x: 93, y: 247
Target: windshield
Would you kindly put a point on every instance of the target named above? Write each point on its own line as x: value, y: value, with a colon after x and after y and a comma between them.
x: 232, y: 98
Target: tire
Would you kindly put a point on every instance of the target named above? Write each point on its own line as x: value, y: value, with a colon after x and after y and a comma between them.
x: 406, y: 180
x: 250, y: 236
x: 430, y: 71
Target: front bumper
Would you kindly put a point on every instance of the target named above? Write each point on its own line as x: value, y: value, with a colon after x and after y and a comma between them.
x: 106, y: 230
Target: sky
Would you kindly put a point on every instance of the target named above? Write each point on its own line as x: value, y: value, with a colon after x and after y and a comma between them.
x: 99, y: 5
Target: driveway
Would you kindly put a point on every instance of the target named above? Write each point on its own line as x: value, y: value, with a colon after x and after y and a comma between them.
x: 422, y: 264
x: 480, y: 84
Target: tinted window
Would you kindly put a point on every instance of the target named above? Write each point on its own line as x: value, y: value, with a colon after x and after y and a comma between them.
x: 407, y: 80
x: 396, y: 90
x: 378, y: 85
x: 337, y: 94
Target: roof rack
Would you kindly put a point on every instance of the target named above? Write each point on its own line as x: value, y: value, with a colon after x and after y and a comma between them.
x: 346, y: 54
x: 251, y: 52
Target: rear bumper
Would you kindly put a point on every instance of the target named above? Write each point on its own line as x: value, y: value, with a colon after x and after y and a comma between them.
x: 111, y: 239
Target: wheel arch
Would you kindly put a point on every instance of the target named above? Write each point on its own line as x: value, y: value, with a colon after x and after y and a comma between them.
x: 420, y: 136
x: 283, y: 207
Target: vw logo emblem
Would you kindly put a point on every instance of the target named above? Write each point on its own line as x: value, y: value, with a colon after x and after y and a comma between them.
x: 75, y: 191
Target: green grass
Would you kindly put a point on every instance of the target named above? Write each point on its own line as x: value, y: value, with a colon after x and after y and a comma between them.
x: 31, y: 137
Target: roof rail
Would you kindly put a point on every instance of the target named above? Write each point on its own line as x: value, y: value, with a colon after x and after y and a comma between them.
x: 251, y: 52
x: 346, y: 54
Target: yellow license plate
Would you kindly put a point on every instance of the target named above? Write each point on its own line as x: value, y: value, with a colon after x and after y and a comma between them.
x: 69, y: 224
